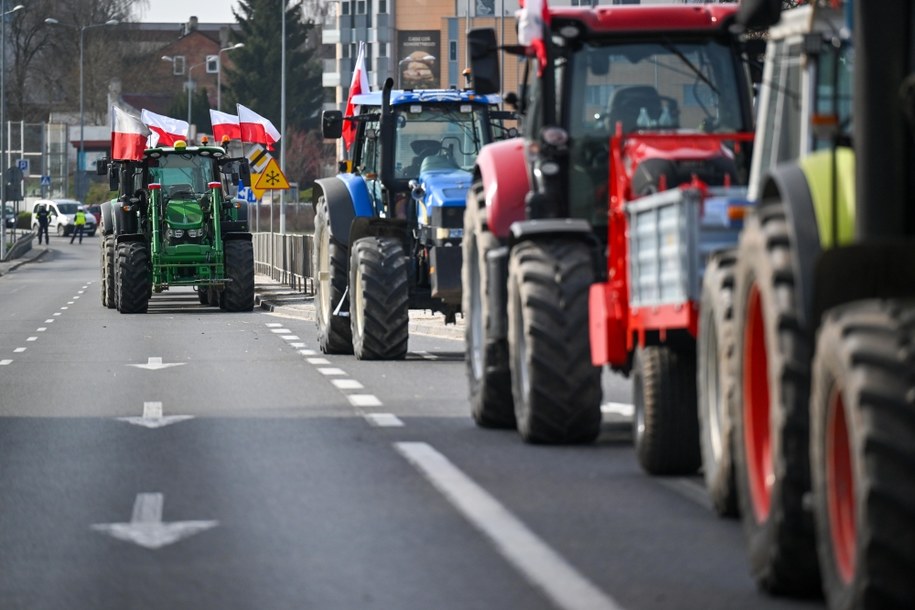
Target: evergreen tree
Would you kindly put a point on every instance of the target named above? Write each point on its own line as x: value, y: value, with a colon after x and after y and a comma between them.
x: 254, y: 79
x: 200, y: 109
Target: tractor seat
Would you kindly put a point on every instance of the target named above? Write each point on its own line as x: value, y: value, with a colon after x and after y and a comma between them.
x: 181, y: 191
x: 626, y: 104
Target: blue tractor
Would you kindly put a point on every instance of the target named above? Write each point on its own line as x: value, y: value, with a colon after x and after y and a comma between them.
x: 388, y: 227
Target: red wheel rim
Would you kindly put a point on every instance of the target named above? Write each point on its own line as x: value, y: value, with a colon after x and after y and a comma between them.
x: 840, y: 488
x: 756, y: 428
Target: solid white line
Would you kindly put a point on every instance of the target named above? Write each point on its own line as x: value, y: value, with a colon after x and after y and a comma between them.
x: 19, y: 350
x: 5, y: 362
x: 307, y: 352
x: 289, y: 338
x: 618, y: 408
x: 317, y: 361
x: 363, y: 400
x: 539, y: 563
x: 383, y: 420
x: 41, y: 329
x: 280, y: 331
x: 331, y: 371
x: 347, y: 384
x: 32, y: 339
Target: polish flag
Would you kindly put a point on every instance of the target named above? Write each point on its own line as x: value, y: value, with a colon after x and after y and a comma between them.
x: 533, y: 16
x: 359, y: 85
x: 256, y: 129
x: 128, y: 136
x: 224, y: 125
x: 164, y: 131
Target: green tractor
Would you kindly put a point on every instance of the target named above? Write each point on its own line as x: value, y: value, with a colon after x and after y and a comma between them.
x: 174, y: 223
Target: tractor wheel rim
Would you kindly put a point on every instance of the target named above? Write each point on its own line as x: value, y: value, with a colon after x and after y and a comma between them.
x: 840, y: 488
x: 757, y: 423
x: 476, y: 314
x: 713, y: 396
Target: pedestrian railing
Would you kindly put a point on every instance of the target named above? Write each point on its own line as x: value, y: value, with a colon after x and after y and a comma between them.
x: 285, y: 258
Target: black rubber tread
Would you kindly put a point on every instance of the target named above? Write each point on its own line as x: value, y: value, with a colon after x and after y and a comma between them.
x: 334, y: 334
x: 132, y: 277
x: 486, y: 359
x: 715, y: 382
x: 202, y: 295
x: 666, y: 432
x: 782, y: 551
x: 239, y: 291
x: 107, y: 269
x: 549, y: 343
x: 867, y: 349
x: 378, y: 267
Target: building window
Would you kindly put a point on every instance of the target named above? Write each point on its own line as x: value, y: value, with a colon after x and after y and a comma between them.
x: 212, y: 64
x: 344, y: 8
x: 382, y: 7
x: 360, y: 7
x: 452, y: 50
x: 178, y: 62
x: 382, y: 49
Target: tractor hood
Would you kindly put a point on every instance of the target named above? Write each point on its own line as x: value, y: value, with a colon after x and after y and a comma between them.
x: 183, y: 214
x: 445, y: 187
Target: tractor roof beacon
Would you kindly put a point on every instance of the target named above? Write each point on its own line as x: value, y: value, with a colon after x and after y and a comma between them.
x: 175, y: 222
x: 388, y: 226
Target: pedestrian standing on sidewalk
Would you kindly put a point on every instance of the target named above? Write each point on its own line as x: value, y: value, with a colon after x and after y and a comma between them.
x: 79, y: 223
x: 44, y: 219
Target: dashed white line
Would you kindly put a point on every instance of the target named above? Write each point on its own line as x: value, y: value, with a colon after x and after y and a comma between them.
x: 19, y: 350
x: 280, y: 331
x: 64, y: 307
x: 363, y: 400
x: 32, y: 339
x: 539, y: 563
x: 297, y: 345
x: 57, y: 313
x: 41, y: 329
x: 76, y: 297
x: 331, y: 371
x: 307, y: 352
x: 289, y: 337
x: 317, y: 361
x: 5, y: 362
x: 384, y: 420
x: 347, y: 384
x: 273, y: 325
x: 81, y: 292
x: 49, y: 321
x: 68, y: 303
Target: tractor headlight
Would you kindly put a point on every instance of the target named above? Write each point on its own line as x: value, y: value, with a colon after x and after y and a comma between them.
x: 192, y: 233
x: 179, y: 233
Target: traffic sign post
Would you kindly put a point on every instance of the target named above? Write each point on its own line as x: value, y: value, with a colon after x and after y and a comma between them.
x: 23, y: 165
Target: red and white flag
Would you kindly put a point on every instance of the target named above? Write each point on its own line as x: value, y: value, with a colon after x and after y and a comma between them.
x: 128, y: 136
x: 256, y: 129
x: 164, y: 131
x: 359, y: 85
x: 224, y: 125
x: 533, y: 16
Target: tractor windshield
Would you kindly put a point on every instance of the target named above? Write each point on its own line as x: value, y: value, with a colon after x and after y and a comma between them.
x: 182, y: 175
x: 450, y: 134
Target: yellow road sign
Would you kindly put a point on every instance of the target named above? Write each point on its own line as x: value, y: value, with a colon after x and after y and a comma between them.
x: 271, y: 179
x: 258, y: 193
x: 258, y: 157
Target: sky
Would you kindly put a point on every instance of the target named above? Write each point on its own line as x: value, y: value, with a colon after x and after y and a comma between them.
x: 179, y: 11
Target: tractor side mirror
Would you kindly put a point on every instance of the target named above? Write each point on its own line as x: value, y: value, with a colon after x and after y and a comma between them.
x: 114, y: 177
x: 332, y: 124
x: 484, y: 60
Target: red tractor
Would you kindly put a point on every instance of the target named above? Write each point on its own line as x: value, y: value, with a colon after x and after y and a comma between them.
x: 585, y: 240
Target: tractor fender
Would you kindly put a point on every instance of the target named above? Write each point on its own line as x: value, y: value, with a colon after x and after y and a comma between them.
x: 788, y: 183
x: 107, y: 225
x: 347, y: 197
x: 125, y: 238
x: 502, y: 168
x: 370, y: 226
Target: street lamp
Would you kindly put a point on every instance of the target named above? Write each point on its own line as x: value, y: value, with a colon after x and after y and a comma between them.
x: 189, y: 85
x: 80, y: 159
x: 3, y: 15
x: 219, y: 72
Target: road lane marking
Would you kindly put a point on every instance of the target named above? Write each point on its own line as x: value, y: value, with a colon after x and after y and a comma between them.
x: 307, y: 352
x: 19, y: 350
x: 297, y: 345
x: 41, y: 329
x: 617, y: 408
x: 32, y: 339
x: 81, y: 292
x: 57, y: 313
x: 280, y: 331
x: 383, y: 420
x: 273, y: 325
x: 426, y: 355
x: 49, y: 321
x: 153, y: 417
x: 540, y: 564
x: 76, y: 297
x: 347, y: 384
x: 65, y: 308
x: 289, y: 337
x: 154, y: 364
x: 5, y: 362
x: 146, y: 528
x: 68, y: 303
x: 317, y: 361
x: 331, y: 371
x: 363, y: 400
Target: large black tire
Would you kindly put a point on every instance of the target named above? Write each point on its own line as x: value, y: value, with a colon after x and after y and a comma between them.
x: 202, y: 295
x: 331, y: 273
x: 132, y: 277
x: 488, y: 373
x: 714, y: 383
x: 863, y: 454
x: 107, y: 268
x: 666, y: 428
x: 772, y: 391
x: 556, y: 389
x: 379, y: 299
x: 238, y: 294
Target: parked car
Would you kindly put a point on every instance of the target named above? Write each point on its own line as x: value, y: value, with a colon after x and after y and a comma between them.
x: 63, y: 212
x: 95, y: 210
x: 9, y: 217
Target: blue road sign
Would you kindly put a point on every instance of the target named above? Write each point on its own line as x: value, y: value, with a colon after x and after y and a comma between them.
x: 46, y: 181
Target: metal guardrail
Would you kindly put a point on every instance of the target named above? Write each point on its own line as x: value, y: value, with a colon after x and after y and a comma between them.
x: 22, y: 245
x: 286, y: 258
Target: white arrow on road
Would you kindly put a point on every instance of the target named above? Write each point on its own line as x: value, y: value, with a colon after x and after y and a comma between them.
x: 154, y: 364
x: 153, y: 417
x: 146, y: 527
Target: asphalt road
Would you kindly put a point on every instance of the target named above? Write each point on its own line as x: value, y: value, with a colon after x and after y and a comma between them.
x: 190, y: 458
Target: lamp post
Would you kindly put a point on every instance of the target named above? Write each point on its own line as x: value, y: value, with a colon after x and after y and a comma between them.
x: 80, y: 158
x: 219, y: 72
x: 3, y: 15
x: 189, y: 85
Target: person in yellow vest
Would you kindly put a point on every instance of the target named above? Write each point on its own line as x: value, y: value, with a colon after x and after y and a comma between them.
x: 79, y: 223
